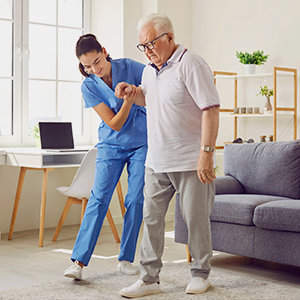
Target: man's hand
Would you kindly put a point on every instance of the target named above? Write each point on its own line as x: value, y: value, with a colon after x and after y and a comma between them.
x: 205, y: 167
x: 130, y: 93
x: 123, y: 89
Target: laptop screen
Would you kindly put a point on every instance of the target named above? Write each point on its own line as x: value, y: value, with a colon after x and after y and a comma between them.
x: 56, y: 135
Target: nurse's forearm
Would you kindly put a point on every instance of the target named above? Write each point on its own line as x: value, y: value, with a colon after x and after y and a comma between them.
x: 114, y: 121
x: 117, y: 121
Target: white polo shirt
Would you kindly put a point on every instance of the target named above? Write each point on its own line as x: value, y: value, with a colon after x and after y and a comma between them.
x: 175, y: 97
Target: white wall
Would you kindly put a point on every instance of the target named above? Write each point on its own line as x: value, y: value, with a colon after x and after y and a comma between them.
x: 222, y: 27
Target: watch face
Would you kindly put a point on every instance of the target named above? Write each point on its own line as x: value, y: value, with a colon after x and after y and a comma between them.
x: 208, y: 149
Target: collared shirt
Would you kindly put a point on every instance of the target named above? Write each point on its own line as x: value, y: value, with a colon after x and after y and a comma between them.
x: 95, y: 91
x: 175, y: 97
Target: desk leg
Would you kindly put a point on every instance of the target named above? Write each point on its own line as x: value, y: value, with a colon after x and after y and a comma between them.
x: 17, y: 201
x: 43, y: 207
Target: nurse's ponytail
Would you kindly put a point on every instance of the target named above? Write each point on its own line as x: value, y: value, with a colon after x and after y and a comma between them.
x: 87, y: 43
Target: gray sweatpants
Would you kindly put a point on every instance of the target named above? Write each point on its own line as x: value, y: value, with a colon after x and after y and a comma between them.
x: 196, y: 201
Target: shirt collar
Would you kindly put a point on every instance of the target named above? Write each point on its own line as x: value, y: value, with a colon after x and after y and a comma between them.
x: 177, y: 55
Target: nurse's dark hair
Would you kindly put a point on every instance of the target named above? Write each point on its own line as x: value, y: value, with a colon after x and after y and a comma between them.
x: 87, y: 43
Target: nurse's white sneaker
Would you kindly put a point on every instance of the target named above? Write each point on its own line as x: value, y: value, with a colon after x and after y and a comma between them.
x: 75, y: 271
x: 140, y: 289
x: 197, y: 285
x: 126, y: 268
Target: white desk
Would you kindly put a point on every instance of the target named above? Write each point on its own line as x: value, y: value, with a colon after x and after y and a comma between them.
x: 36, y: 159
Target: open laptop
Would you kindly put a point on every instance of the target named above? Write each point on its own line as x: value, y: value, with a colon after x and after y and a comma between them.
x: 57, y: 136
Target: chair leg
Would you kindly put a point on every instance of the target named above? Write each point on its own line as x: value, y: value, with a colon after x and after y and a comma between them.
x: 83, y: 207
x: 121, y: 198
x: 112, y: 226
x: 188, y: 254
x: 62, y: 218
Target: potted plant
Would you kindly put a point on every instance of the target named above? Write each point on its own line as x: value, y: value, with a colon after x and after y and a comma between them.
x: 267, y: 92
x: 251, y: 60
x: 35, y: 133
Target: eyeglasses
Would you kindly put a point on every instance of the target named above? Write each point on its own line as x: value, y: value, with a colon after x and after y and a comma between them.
x: 149, y: 45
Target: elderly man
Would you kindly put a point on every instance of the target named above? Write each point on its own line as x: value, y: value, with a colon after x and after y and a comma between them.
x: 183, y: 119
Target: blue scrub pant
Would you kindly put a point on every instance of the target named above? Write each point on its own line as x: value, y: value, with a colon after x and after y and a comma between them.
x: 109, y: 166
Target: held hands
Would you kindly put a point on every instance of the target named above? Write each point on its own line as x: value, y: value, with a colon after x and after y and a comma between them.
x: 205, y: 167
x: 126, y: 91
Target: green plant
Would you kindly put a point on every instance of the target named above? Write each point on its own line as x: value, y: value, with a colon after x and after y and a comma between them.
x: 256, y: 58
x: 35, y: 132
x: 265, y: 91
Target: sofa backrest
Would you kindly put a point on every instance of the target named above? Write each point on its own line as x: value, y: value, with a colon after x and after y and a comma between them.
x: 265, y: 168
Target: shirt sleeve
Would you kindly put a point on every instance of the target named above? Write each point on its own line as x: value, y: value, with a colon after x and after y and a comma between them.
x: 89, y: 96
x: 200, y: 84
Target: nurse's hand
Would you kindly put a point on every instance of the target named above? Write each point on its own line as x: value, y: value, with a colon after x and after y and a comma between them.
x: 130, y: 93
x: 122, y: 89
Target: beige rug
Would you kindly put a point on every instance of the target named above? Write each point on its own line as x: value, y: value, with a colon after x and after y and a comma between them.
x: 174, y: 278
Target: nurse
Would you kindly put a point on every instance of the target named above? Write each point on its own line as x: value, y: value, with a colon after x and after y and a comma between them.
x: 122, y: 141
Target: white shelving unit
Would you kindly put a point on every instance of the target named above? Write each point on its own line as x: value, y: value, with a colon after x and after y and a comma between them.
x: 277, y: 111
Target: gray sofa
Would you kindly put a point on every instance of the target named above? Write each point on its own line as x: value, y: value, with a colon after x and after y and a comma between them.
x: 257, y: 205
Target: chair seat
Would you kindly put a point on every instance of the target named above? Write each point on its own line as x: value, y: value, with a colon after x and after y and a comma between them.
x: 67, y: 191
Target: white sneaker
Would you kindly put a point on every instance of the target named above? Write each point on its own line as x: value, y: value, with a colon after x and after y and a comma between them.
x: 197, y: 286
x: 140, y: 289
x: 75, y: 271
x: 126, y: 268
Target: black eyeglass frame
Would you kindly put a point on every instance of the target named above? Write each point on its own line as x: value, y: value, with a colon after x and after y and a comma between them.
x: 149, y: 45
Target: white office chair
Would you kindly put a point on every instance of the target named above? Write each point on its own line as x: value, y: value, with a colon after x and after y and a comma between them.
x: 79, y: 192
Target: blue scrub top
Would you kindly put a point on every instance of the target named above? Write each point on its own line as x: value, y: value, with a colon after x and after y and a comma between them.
x: 95, y: 91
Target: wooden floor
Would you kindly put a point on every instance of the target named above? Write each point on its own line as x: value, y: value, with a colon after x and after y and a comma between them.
x: 23, y: 263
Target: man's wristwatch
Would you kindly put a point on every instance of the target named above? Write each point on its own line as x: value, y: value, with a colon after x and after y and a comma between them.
x: 208, y: 148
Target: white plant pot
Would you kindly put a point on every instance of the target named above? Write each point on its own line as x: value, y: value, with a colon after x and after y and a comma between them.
x: 250, y: 69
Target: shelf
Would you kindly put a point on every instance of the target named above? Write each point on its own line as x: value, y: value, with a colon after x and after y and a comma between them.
x: 255, y: 115
x: 278, y: 111
x: 254, y: 76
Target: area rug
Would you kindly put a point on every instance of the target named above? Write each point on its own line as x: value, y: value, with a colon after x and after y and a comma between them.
x: 174, y: 278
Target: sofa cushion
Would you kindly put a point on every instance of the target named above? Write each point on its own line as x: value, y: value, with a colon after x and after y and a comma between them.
x: 278, y: 215
x: 238, y: 209
x: 265, y: 168
x: 228, y: 185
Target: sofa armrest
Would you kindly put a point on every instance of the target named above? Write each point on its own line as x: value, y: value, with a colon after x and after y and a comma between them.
x: 228, y: 185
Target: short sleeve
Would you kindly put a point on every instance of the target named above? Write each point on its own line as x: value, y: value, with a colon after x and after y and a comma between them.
x: 89, y: 96
x: 200, y: 84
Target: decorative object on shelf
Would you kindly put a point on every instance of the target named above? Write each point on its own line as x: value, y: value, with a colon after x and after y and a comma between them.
x: 249, y: 110
x: 256, y: 110
x: 271, y: 138
x: 236, y: 110
x: 265, y: 91
x: 250, y: 141
x: 35, y: 133
x: 238, y: 141
x: 252, y: 60
x: 263, y: 138
x: 243, y: 110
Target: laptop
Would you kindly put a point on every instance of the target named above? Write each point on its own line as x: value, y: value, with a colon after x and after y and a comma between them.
x: 57, y: 136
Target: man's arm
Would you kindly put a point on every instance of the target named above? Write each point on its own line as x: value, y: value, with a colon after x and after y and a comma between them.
x: 130, y: 92
x: 209, y: 132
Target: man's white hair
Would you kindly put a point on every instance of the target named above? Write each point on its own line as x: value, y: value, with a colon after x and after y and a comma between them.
x: 160, y: 22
